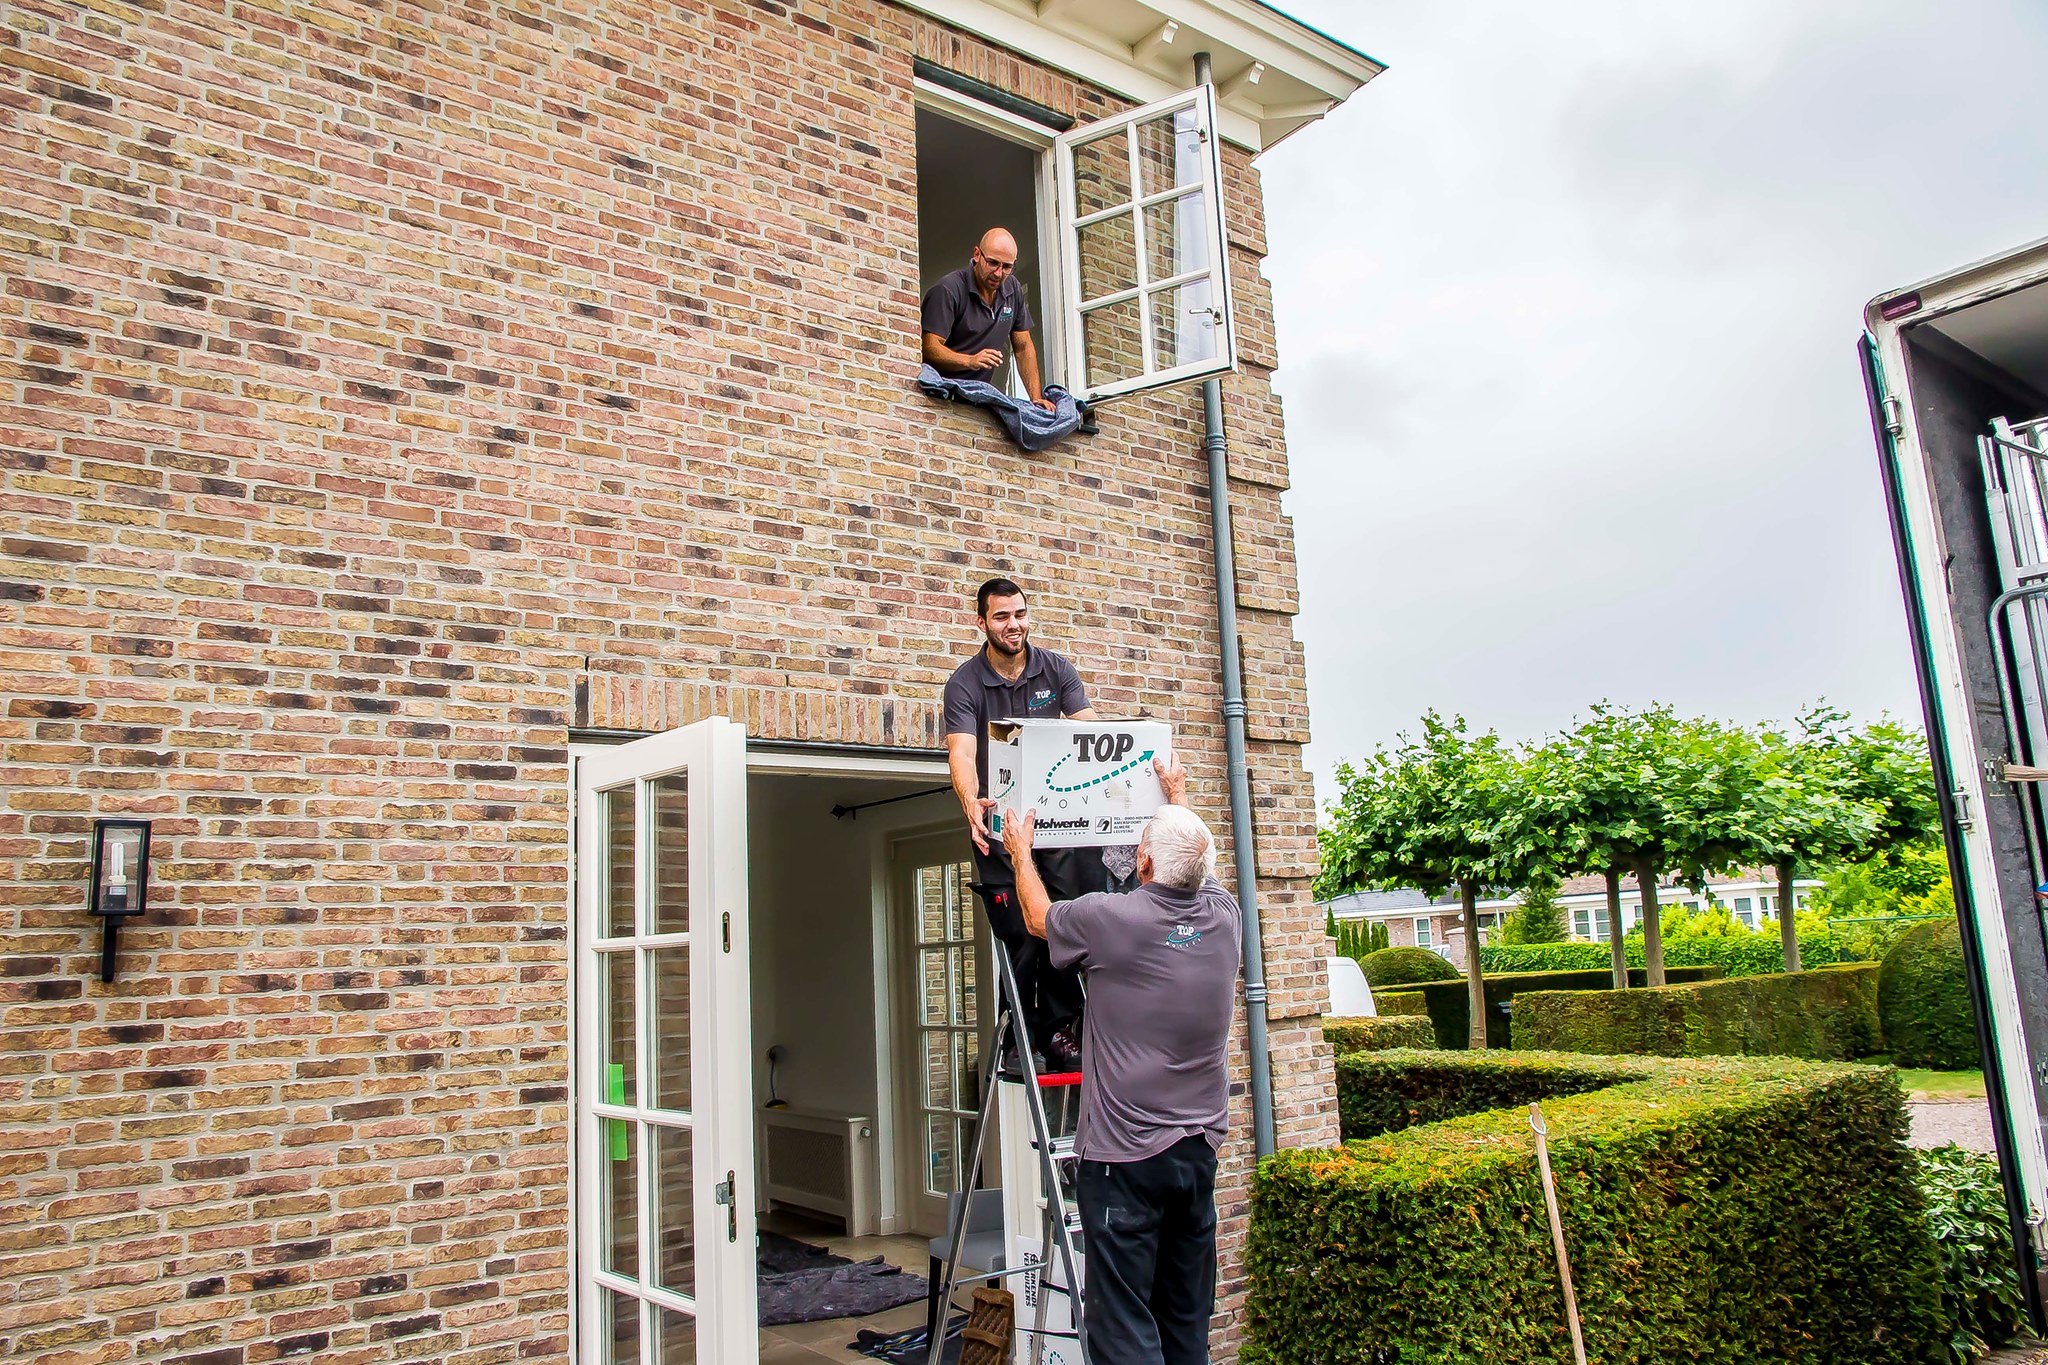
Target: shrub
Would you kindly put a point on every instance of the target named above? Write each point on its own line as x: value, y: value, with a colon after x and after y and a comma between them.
x: 1980, y: 1287
x: 1401, y: 1002
x: 1748, y: 955
x: 1356, y: 939
x: 1376, y: 1035
x: 1829, y: 1014
x: 1724, y: 1210
x: 1404, y: 966
x: 1450, y: 1002
x: 1924, y: 999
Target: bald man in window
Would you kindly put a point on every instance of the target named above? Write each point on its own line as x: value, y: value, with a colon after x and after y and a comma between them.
x: 969, y: 313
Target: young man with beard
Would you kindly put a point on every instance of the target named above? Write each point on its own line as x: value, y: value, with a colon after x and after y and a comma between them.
x: 1010, y: 678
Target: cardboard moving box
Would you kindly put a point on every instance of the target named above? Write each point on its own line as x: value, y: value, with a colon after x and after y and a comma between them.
x: 1090, y: 781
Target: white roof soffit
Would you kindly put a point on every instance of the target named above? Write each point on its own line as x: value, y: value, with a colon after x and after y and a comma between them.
x: 1273, y: 74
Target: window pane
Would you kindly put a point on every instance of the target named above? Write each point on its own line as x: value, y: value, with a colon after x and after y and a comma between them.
x: 675, y: 1210
x: 619, y: 884
x: 970, y: 1002
x: 1110, y: 343
x: 1109, y: 257
x: 672, y: 853
x: 931, y: 904
x: 621, y: 1208
x: 938, y: 1070
x: 959, y: 915
x: 964, y: 1094
x: 621, y: 1026
x: 1177, y: 237
x: 932, y: 971
x: 1183, y: 327
x: 1102, y: 174
x: 938, y: 1129
x: 1170, y: 152
x: 671, y: 967
x: 621, y: 1313
x: 678, y: 1332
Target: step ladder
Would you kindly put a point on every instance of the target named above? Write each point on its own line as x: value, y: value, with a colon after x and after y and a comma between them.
x: 1027, y: 1146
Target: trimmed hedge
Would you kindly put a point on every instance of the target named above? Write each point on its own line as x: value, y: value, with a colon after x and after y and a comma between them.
x: 1730, y: 1210
x: 1450, y: 1002
x: 1828, y: 1014
x: 1359, y: 1034
x: 1924, y: 999
x: 1402, y: 966
x: 1401, y: 1002
x: 1752, y: 956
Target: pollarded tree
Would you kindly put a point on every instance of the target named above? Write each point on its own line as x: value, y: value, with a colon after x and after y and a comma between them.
x: 1446, y: 810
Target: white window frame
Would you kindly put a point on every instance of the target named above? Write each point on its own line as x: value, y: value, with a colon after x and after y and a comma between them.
x: 1423, y: 935
x: 1051, y: 332
x: 1202, y: 100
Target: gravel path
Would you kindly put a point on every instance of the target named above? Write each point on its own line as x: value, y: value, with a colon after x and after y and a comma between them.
x: 2031, y: 1354
x: 1964, y: 1122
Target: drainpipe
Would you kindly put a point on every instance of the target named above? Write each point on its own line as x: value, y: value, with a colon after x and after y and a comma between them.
x: 1214, y: 442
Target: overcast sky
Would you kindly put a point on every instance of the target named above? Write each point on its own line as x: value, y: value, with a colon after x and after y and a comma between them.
x: 1568, y: 301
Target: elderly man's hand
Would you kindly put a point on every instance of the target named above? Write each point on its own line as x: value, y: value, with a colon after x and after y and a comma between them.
x: 1017, y: 834
x: 1173, y: 779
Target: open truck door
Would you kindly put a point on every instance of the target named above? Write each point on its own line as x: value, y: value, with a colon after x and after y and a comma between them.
x: 1957, y: 373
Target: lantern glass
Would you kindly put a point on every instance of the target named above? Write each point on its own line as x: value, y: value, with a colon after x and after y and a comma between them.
x: 120, y: 867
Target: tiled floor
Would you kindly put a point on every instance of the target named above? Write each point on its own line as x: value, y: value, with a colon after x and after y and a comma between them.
x: 806, y: 1343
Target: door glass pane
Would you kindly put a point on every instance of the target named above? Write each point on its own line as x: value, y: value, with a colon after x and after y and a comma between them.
x: 619, y: 1320
x: 938, y: 1070
x: 675, y: 1210
x: 970, y: 1003
x: 932, y: 972
x: 621, y: 1027
x: 963, y: 1053
x: 1183, y: 328
x: 672, y: 853
x: 955, y: 1006
x: 620, y: 1166
x: 620, y: 885
x: 1169, y: 152
x: 959, y: 921
x: 1110, y: 340
x: 678, y: 1332
x: 939, y: 1143
x: 1177, y: 237
x: 671, y: 967
x: 1109, y: 257
x: 931, y: 904
x: 1102, y: 174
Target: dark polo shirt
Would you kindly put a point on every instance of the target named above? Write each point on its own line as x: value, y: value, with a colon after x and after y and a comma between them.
x: 954, y: 312
x: 1048, y: 688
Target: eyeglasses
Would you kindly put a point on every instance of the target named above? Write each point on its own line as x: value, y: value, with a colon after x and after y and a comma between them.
x: 997, y: 266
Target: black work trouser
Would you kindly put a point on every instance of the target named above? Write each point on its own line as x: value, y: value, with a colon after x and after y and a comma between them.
x: 1051, y: 995
x: 1151, y: 1246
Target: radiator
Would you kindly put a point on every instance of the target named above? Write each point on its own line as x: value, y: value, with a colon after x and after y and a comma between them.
x: 821, y: 1161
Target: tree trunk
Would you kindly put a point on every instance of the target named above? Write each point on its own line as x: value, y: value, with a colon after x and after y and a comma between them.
x: 1617, y: 950
x: 1788, y: 930
x: 1475, y: 981
x: 1653, y: 932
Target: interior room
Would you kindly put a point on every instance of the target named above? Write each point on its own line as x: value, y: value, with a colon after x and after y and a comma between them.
x: 866, y: 960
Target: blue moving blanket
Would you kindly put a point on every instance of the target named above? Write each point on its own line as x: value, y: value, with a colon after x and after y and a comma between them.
x: 1029, y: 425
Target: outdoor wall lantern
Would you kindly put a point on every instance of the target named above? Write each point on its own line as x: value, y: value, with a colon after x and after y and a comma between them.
x: 120, y: 880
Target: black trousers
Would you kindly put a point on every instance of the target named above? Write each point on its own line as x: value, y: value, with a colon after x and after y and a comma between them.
x: 1151, y: 1243
x: 1051, y: 995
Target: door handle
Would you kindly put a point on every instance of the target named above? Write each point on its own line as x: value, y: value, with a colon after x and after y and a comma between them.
x: 723, y: 1193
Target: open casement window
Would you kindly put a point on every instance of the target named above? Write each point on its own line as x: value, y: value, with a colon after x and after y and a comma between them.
x: 1142, y: 245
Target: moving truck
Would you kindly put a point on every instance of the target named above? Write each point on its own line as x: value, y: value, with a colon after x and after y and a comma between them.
x: 1957, y: 372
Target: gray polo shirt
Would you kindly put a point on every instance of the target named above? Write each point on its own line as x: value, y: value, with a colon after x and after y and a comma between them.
x: 1161, y: 967
x: 1049, y: 687
x: 954, y: 312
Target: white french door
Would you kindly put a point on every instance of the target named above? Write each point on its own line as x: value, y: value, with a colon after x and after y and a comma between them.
x: 665, y: 1163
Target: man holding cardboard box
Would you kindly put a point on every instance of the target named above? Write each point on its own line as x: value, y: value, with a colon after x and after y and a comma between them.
x: 1011, y: 679
x: 1162, y: 964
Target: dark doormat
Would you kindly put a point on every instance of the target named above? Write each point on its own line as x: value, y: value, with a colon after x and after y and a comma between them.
x: 909, y: 1346
x: 798, y: 1282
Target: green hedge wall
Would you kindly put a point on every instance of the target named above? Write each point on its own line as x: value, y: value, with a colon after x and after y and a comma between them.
x: 1401, y: 1002
x: 1450, y: 1008
x: 1924, y: 999
x: 1359, y: 1034
x: 1401, y: 966
x: 1828, y: 1014
x: 1728, y: 1210
x: 1734, y: 956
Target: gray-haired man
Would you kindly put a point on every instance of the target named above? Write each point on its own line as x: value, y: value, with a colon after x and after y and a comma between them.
x: 1161, y: 964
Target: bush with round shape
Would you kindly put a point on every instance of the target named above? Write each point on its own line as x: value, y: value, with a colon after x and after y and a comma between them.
x: 1405, y: 967
x: 1923, y: 999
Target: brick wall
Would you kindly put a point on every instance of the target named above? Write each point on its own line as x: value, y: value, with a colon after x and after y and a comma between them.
x: 384, y: 390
